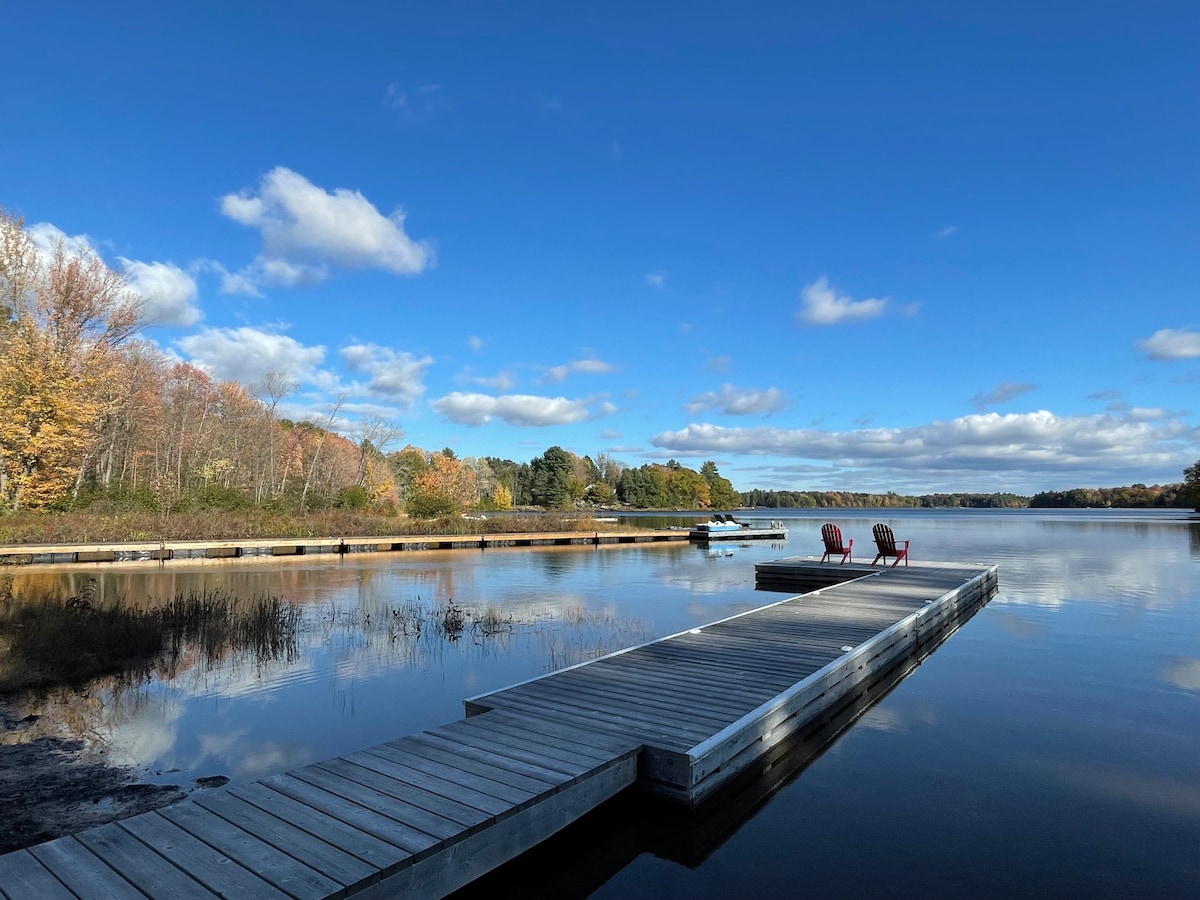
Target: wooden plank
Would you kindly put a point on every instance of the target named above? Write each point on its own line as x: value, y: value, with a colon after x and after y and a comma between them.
x: 499, y: 766
x: 694, y: 665
x: 648, y: 685
x: 534, y: 786
x: 740, y: 660
x: 522, y: 733
x: 499, y: 757
x: 604, y: 740
x: 213, y: 869
x: 589, y: 719
x: 422, y: 820
x: 276, y: 867
x: 485, y: 803
x: 629, y: 707
x: 84, y: 873
x: 644, y: 704
x: 468, y: 817
x: 150, y: 873
x: 402, y: 835
x: 23, y: 876
x: 463, y: 772
x: 327, y: 859
x: 678, y: 684
x: 626, y: 719
x: 570, y: 761
x: 383, y: 855
x: 727, y: 682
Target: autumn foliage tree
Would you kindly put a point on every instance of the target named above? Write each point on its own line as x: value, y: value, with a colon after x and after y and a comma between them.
x: 66, y: 314
x: 444, y: 487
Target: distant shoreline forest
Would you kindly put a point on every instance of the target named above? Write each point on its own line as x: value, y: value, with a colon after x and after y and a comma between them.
x: 1137, y: 496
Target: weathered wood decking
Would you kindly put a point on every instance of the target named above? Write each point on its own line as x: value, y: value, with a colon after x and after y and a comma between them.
x: 424, y: 815
x: 162, y: 551
x: 242, y: 548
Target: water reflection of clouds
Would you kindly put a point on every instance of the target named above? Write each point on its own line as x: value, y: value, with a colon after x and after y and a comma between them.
x: 882, y: 718
x: 1153, y: 793
x: 1183, y: 672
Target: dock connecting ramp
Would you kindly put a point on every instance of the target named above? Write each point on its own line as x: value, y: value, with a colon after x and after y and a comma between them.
x: 424, y: 815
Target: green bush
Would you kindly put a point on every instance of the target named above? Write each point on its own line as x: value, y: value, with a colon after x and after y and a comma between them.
x: 353, y: 497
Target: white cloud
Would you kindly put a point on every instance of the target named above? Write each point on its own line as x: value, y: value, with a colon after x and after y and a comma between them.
x: 719, y: 364
x: 656, y: 280
x: 516, y: 409
x: 398, y: 376
x: 736, y: 402
x: 1171, y: 343
x: 943, y: 233
x: 306, y: 229
x: 475, y: 343
x: 46, y: 237
x: 1001, y: 393
x: 504, y: 381
x: 418, y: 102
x: 246, y: 355
x: 1016, y: 445
x: 168, y: 292
x: 823, y: 305
x: 586, y: 366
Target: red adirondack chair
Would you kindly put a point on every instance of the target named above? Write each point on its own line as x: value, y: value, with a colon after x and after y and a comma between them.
x: 832, y: 536
x: 886, y: 542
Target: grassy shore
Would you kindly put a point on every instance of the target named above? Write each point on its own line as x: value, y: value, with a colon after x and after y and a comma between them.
x: 99, y: 525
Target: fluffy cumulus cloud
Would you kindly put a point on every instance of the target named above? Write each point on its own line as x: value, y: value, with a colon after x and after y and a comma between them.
x: 1019, y: 446
x: 1171, y: 343
x: 246, y: 355
x: 517, y: 409
x: 168, y: 292
x: 47, y: 237
x: 821, y: 304
x: 584, y: 366
x: 1001, y: 393
x: 397, y: 376
x: 307, y: 229
x: 736, y: 402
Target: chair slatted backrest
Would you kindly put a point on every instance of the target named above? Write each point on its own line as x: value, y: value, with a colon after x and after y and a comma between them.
x: 885, y: 540
x: 832, y: 536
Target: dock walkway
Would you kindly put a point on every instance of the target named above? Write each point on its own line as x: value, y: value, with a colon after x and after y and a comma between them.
x: 246, y: 548
x: 426, y: 814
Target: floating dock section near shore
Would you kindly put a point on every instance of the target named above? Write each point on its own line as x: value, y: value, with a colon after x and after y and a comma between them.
x: 421, y: 816
x: 247, y: 548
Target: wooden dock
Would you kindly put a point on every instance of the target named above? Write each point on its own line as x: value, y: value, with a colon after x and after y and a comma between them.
x: 426, y: 814
x: 163, y: 551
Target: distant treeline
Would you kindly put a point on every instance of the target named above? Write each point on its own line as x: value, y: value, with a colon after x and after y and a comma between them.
x: 856, y: 500
x: 1137, y: 496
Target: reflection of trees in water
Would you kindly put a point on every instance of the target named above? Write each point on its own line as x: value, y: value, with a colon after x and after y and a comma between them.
x: 419, y: 633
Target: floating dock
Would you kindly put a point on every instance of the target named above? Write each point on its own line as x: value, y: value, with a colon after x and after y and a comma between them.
x: 424, y: 815
x: 163, y: 551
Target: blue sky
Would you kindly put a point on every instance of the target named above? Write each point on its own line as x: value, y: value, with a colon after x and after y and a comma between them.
x: 915, y: 247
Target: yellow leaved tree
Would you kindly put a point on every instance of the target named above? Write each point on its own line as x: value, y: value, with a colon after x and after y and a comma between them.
x: 63, y: 315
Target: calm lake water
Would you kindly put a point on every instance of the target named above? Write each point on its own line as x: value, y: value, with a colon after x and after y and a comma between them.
x: 1051, y: 747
